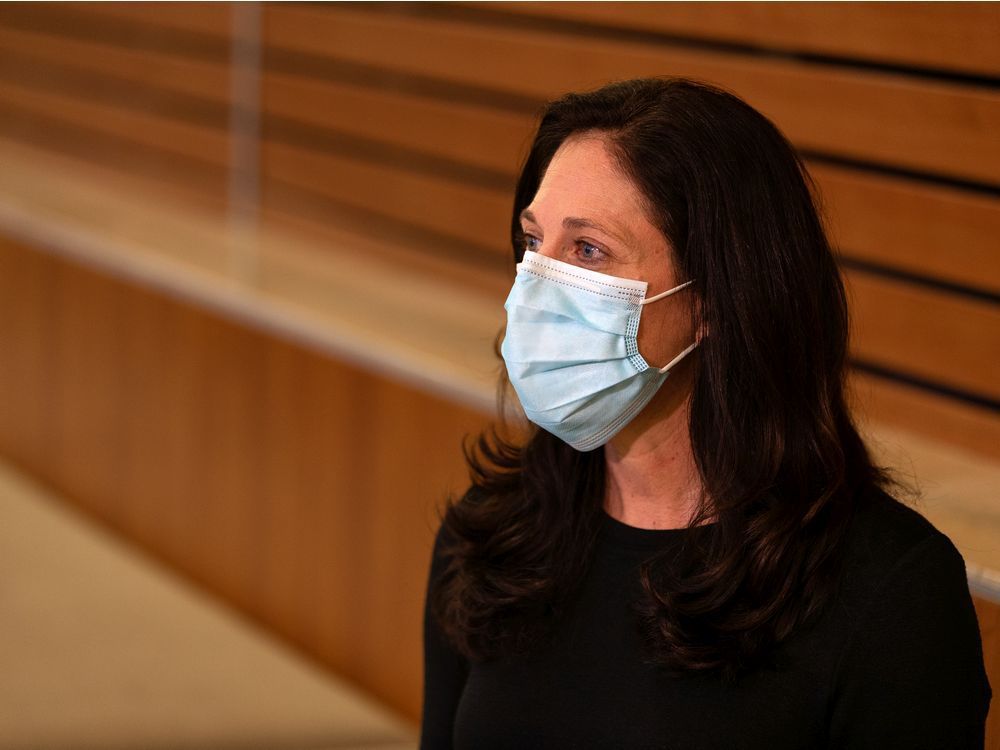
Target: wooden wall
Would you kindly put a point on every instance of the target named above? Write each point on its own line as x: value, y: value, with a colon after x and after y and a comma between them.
x: 302, y: 490
x: 406, y: 122
x: 409, y: 121
x: 142, y: 99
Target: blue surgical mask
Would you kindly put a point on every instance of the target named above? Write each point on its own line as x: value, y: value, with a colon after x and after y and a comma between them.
x: 571, y: 349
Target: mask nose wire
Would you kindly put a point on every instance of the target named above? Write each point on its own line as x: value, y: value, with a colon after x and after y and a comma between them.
x: 667, y: 293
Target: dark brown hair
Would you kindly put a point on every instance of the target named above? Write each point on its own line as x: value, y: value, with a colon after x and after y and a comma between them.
x: 780, y: 460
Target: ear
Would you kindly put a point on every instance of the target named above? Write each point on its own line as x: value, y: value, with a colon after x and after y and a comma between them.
x: 701, y: 331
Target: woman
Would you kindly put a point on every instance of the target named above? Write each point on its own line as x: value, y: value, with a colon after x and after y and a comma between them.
x: 692, y: 549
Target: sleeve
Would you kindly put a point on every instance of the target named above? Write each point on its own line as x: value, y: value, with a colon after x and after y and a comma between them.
x: 445, y: 670
x: 912, y: 673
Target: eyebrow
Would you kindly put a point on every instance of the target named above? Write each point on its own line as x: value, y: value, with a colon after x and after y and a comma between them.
x: 573, y: 222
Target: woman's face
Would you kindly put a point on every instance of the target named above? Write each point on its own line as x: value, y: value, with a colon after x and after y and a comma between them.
x: 586, y: 212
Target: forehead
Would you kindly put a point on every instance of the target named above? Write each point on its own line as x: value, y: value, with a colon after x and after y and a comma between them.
x: 584, y: 180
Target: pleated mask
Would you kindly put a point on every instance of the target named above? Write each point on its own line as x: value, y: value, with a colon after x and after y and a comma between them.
x: 571, y: 351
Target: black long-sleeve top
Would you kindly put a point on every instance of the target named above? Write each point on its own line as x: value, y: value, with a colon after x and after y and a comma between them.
x: 896, y: 662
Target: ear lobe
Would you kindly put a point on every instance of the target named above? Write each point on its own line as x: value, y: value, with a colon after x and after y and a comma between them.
x: 702, y: 331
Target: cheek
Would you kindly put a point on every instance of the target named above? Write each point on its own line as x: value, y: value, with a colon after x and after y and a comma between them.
x: 665, y: 329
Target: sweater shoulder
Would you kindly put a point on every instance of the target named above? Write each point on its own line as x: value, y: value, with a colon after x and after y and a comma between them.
x: 887, y: 533
x: 888, y: 527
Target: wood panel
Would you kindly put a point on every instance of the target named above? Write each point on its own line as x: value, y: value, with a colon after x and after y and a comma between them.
x: 938, y: 336
x: 199, y: 27
x: 989, y: 627
x: 944, y: 338
x: 73, y: 162
x: 488, y: 138
x: 83, y: 440
x: 937, y: 416
x: 201, y: 17
x: 283, y: 481
x: 937, y: 231
x: 146, y: 103
x: 151, y: 171
x: 890, y: 221
x: 299, y: 489
x: 463, y: 211
x: 402, y: 248
x: 21, y: 48
x: 863, y: 116
x: 27, y: 286
x: 954, y: 36
x: 500, y: 129
x: 149, y: 129
x: 288, y: 482
x: 931, y: 230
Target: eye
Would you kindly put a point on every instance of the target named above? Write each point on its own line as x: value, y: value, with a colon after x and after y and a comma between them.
x: 531, y: 243
x: 589, y: 253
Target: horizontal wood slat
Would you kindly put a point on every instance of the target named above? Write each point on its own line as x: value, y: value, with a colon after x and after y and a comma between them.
x: 201, y: 31
x: 151, y: 170
x: 78, y: 21
x: 402, y: 249
x: 20, y: 48
x: 938, y: 417
x: 128, y: 173
x: 462, y: 211
x: 925, y: 229
x: 855, y: 115
x: 947, y: 36
x: 943, y: 338
x: 201, y: 17
x: 487, y: 138
x: 174, y: 137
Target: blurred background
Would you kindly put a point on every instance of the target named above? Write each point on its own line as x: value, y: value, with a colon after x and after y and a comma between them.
x: 252, y: 262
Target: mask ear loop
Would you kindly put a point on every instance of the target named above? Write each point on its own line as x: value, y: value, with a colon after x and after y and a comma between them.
x: 667, y: 293
x: 661, y: 295
x: 678, y: 358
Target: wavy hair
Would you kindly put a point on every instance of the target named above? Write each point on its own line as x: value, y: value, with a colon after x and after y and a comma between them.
x: 781, y: 462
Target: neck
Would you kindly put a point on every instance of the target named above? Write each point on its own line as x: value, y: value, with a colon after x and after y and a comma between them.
x: 652, y: 478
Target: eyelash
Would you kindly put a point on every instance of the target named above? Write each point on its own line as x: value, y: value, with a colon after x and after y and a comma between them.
x: 527, y: 240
